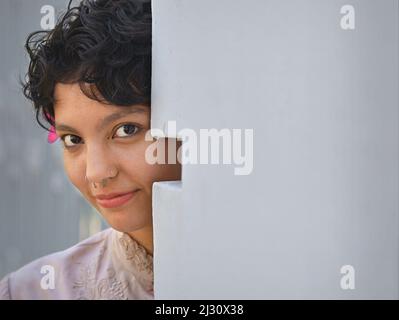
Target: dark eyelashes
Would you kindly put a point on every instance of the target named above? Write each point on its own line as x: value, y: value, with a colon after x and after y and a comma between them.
x: 137, y: 129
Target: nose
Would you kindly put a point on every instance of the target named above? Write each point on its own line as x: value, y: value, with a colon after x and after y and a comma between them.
x: 99, y: 164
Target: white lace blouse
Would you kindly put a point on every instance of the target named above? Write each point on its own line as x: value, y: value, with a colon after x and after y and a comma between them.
x: 108, y: 265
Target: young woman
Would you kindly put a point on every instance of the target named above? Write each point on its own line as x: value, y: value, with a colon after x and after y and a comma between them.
x: 90, y: 79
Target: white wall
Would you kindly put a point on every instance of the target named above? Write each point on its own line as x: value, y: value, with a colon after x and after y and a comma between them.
x: 323, y: 104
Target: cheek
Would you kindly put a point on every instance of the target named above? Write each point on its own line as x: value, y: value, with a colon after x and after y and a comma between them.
x: 144, y: 173
x: 136, y: 167
x: 75, y: 172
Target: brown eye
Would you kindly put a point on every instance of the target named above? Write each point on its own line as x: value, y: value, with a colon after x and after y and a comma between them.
x: 127, y: 130
x: 70, y: 140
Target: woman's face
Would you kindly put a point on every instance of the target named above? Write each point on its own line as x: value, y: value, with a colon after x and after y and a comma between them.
x: 103, y: 141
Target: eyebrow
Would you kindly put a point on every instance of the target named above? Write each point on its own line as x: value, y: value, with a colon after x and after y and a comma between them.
x: 107, y: 120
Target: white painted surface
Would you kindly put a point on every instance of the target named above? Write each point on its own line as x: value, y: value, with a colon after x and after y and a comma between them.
x: 323, y: 103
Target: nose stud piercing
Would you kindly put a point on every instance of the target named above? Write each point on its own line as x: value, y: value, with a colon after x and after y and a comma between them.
x: 105, y: 180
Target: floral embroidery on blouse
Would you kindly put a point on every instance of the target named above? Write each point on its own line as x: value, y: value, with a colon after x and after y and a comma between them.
x: 110, y: 287
x: 139, y: 256
x: 137, y: 253
x: 108, y: 265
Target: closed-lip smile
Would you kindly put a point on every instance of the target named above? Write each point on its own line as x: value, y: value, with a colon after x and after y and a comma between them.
x: 115, y: 199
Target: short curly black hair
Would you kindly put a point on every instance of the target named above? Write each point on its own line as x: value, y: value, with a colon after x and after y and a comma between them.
x: 103, y: 45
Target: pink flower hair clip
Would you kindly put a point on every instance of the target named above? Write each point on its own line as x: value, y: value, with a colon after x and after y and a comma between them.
x: 52, y: 136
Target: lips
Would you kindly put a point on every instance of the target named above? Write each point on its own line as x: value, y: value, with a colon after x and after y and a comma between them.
x: 114, y: 200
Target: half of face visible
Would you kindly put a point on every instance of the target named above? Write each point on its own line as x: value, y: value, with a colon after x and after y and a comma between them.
x: 102, y: 141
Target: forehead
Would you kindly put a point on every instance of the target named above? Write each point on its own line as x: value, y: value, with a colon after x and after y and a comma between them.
x: 65, y: 93
x: 71, y: 101
x: 70, y: 96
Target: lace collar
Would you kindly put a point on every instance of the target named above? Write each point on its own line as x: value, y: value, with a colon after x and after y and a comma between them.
x: 136, y: 259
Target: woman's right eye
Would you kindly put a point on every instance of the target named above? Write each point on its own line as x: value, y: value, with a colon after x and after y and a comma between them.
x: 70, y: 140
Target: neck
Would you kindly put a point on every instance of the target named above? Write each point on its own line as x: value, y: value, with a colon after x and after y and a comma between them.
x: 144, y: 237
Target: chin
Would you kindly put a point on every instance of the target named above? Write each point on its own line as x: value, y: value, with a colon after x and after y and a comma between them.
x: 126, y: 220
